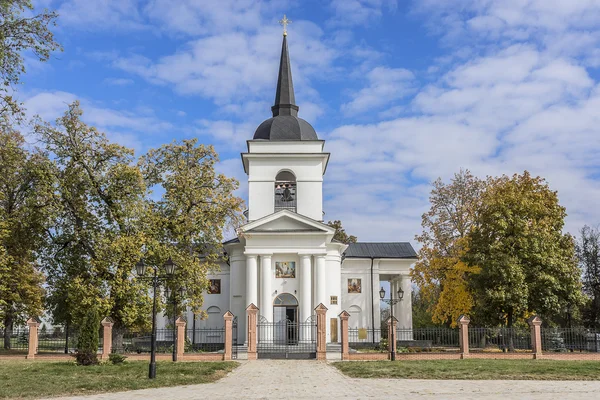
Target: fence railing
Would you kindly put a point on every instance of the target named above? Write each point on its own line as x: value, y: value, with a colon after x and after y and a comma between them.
x: 19, y: 340
x: 56, y: 340
x: 205, y: 340
x: 428, y: 339
x: 570, y: 339
x: 140, y: 342
x: 368, y: 339
x: 499, y: 339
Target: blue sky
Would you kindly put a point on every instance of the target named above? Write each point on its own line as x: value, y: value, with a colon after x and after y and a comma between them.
x: 402, y: 91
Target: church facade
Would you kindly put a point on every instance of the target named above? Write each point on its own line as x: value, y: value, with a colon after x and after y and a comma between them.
x: 284, y: 260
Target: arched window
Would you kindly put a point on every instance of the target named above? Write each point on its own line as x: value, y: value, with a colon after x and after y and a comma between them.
x: 215, y: 319
x: 355, y: 319
x: 285, y: 191
x: 285, y: 300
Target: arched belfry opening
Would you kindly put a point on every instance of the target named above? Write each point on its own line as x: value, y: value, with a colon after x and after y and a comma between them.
x: 285, y: 191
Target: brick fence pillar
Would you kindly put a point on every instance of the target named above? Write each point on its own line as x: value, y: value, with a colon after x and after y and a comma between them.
x: 344, y: 315
x: 535, y: 323
x: 180, y: 323
x: 33, y: 325
x: 228, y: 318
x: 321, y: 311
x: 107, y: 325
x: 252, y: 313
x: 463, y: 335
x: 392, y: 324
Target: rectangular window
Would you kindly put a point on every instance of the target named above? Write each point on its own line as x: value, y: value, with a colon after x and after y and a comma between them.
x: 333, y: 300
x: 215, y: 286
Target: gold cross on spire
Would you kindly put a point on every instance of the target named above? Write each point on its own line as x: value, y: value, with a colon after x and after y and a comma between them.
x: 284, y: 22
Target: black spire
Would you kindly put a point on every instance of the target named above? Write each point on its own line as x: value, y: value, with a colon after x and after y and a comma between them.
x: 284, y: 98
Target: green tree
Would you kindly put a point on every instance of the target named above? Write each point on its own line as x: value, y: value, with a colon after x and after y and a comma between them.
x: 440, y: 273
x: 340, y: 233
x: 588, y: 254
x: 87, y: 342
x: 20, y: 33
x: 187, y: 221
x: 109, y: 220
x: 421, y: 311
x: 26, y: 209
x: 97, y: 236
x: 528, y: 266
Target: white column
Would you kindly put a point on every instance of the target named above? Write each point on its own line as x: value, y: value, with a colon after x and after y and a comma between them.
x: 251, y: 281
x: 405, y: 312
x: 266, y: 298
x: 306, y: 308
x: 321, y: 280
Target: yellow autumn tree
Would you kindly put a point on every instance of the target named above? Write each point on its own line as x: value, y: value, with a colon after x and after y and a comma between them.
x: 439, y: 273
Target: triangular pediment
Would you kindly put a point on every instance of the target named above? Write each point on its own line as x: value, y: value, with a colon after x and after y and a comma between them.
x: 286, y: 222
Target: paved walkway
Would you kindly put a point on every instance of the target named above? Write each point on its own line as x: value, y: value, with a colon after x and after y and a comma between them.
x: 274, y: 379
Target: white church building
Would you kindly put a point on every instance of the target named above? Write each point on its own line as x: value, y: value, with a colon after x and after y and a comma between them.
x: 284, y: 259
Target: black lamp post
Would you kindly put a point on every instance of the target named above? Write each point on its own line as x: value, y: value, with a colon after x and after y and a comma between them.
x: 392, y: 302
x: 141, y: 268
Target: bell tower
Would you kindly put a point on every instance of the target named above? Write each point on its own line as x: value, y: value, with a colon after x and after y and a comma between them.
x: 285, y: 162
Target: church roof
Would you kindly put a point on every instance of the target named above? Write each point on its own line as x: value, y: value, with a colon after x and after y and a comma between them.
x: 285, y: 124
x: 380, y: 250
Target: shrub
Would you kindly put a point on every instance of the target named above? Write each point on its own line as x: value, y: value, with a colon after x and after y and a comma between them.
x: 87, y: 344
x: 116, y: 358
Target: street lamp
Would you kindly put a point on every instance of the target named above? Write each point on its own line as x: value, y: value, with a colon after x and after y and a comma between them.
x: 391, y: 301
x: 141, y: 268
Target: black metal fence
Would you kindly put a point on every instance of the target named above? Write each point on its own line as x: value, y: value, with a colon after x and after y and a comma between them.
x: 570, y: 339
x: 499, y: 339
x: 58, y: 340
x: 140, y: 342
x: 19, y: 339
x: 427, y: 339
x: 205, y: 340
x: 234, y: 339
x: 367, y: 339
x: 287, y: 339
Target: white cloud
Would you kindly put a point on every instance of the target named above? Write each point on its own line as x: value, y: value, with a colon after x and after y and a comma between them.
x: 202, y: 17
x: 101, y: 15
x: 235, y: 68
x: 118, y: 81
x: 384, y: 86
x: 513, y: 20
x: 357, y: 12
x: 122, y: 126
x: 514, y: 106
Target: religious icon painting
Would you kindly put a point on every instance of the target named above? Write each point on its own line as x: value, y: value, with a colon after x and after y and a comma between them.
x: 215, y: 286
x: 285, y: 269
x: 354, y: 285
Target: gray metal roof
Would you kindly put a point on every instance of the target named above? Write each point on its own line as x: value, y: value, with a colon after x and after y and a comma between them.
x: 285, y: 124
x: 285, y: 128
x: 285, y: 100
x: 380, y: 250
x: 232, y: 241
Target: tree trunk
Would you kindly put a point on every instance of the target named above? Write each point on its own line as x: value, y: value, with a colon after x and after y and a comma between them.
x: 67, y: 326
x: 511, y: 343
x: 118, y: 334
x: 8, y: 330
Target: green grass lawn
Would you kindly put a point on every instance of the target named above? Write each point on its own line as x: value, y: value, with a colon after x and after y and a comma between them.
x: 473, y: 369
x: 34, y: 379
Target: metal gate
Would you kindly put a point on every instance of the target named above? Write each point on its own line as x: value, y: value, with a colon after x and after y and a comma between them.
x: 287, y: 339
x: 234, y: 339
